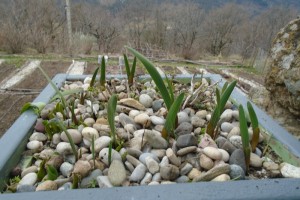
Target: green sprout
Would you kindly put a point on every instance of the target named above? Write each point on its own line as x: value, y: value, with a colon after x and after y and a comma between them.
x: 130, y: 71
x: 93, y: 150
x: 254, y: 124
x: 111, y: 109
x: 221, y: 102
x: 51, y: 173
x: 102, y: 74
x: 37, y: 107
x: 245, y: 136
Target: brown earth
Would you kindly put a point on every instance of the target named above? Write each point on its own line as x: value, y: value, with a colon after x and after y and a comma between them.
x: 6, y: 69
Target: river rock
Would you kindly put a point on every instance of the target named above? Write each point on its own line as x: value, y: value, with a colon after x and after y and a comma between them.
x: 152, y: 165
x: 34, y: 145
x: 186, y: 150
x: 194, y: 173
x: 182, y: 179
x: 41, y: 137
x: 157, y: 120
x: 116, y: 173
x: 201, y: 114
x: 255, y: 160
x: 183, y: 117
x: 145, y: 100
x: 157, y: 104
x: 31, y: 169
x: 132, y: 103
x: 66, y: 169
x: 213, y: 173
x: 75, y: 135
x: 234, y: 131
x: 207, y: 141
x: 25, y: 188
x: 82, y: 167
x: 88, y: 133
x: 197, y: 121
x: 270, y: 165
x: 226, y: 127
x: 173, y: 158
x: 206, y: 162
x: 156, y: 141
x: 64, y: 148
x: 143, y: 157
x: 143, y: 119
x: 236, y: 140
x: 159, y: 153
x: 55, y: 161
x: 226, y: 115
x: 212, y: 153
x: 236, y: 172
x: 169, y: 172
x: 184, y: 128
x: 138, y: 173
x: 187, y: 167
x: 289, y: 171
x: 225, y: 155
x: 104, y: 182
x: 164, y: 161
x: 186, y: 140
x: 29, y: 179
x: 147, y: 179
x: 103, y: 155
x: 47, y: 185
x: 56, y: 139
x: 101, y: 143
x: 238, y: 158
x: 89, y: 121
x: 221, y: 178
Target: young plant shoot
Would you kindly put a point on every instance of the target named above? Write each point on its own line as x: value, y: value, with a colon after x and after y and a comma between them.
x: 130, y: 71
x: 245, y: 136
x: 255, y: 128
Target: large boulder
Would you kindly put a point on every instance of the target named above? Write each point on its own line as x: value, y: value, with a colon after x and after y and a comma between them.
x: 283, y: 77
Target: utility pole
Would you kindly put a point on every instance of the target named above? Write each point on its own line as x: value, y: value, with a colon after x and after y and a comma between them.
x: 69, y: 25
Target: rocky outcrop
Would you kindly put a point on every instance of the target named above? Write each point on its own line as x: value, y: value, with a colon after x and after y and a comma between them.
x: 283, y: 77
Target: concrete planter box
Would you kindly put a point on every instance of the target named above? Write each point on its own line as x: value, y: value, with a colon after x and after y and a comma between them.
x: 13, y: 143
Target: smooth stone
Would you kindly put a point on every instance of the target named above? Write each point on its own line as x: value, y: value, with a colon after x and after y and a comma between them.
x: 194, y: 173
x: 213, y: 173
x: 39, y: 126
x: 101, y: 143
x: 225, y: 155
x: 31, y: 169
x: 157, y: 104
x: 29, y: 179
x: 135, y: 162
x: 132, y: 103
x: 34, y: 145
x: 220, y: 141
x: 234, y: 131
x: 66, y: 169
x: 130, y: 128
x: 183, y: 117
x: 116, y: 173
x: 289, y: 171
x: 184, y: 128
x: 159, y: 153
x: 156, y: 141
x: 70, y: 159
x: 255, y: 160
x: 82, y: 167
x: 89, y: 121
x: 156, y: 177
x: 186, y: 140
x: 236, y: 172
x: 186, y: 150
x: 103, y: 155
x: 227, y: 146
x: 64, y: 148
x: 138, y: 173
x: 56, y: 139
x: 164, y: 161
x: 152, y: 165
x: 221, y: 178
x: 88, y: 133
x: 182, y: 179
x: 153, y: 183
x: 104, y: 182
x: 75, y: 135
x: 86, y: 182
x: 55, y: 161
x: 134, y: 152
x: 201, y: 114
x: 235, y: 114
x: 169, y: 172
x: 129, y: 166
x: 198, y: 122
x: 186, y: 169
x: 143, y: 119
x: 212, y: 153
x: 238, y: 158
x: 167, y: 183
x: 173, y: 158
x: 208, y: 117
x: 65, y: 186
x: 226, y: 127
x: 157, y: 120
x: 226, y: 115
x: 37, y: 136
x: 258, y: 152
x: 145, y: 100
x: 125, y: 119
x: 46, y: 186
x: 236, y: 140
x: 46, y: 154
x: 147, y: 179
x: 25, y: 188
x: 207, y: 141
x: 133, y: 113
x: 270, y: 166
x: 120, y: 88
x: 206, y: 162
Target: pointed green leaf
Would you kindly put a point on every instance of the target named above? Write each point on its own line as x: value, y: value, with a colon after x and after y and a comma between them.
x: 155, y: 76
x: 218, y: 96
x: 172, y: 113
x: 102, y: 72
x: 42, y: 171
x: 170, y: 87
x: 52, y: 173
x: 224, y: 87
x: 127, y: 66
x: 252, y: 115
x: 111, y: 109
x: 66, y: 93
x: 92, y: 83
x: 225, y: 95
x: 132, y: 71
x: 244, y: 135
